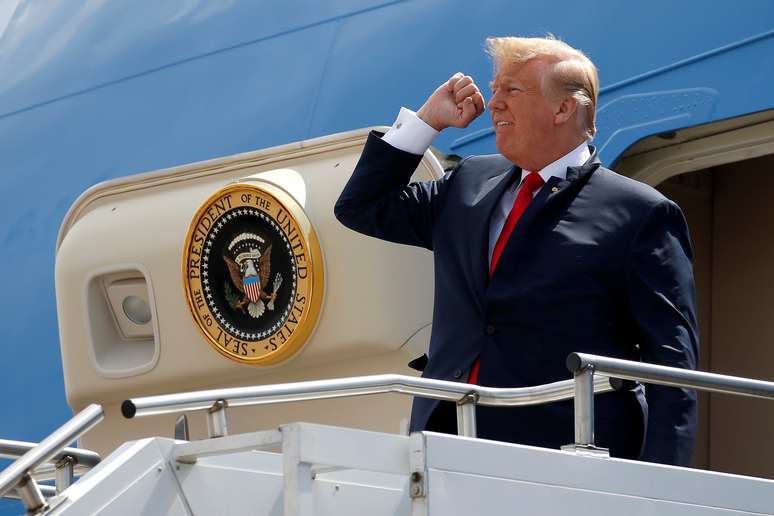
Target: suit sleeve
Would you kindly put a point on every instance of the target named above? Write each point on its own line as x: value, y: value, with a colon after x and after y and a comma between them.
x: 378, y: 200
x: 662, y: 298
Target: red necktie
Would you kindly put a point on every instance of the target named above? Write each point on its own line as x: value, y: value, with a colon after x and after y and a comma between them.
x: 531, y: 183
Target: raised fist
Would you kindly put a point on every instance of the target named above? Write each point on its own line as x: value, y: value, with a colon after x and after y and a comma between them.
x: 455, y: 103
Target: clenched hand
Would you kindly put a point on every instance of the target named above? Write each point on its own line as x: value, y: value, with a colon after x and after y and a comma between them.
x: 455, y: 103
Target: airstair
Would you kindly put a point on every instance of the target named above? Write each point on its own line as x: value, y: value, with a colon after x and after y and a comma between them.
x: 302, y: 469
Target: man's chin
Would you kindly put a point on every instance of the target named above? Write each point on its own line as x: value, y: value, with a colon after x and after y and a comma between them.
x: 499, y: 144
x: 506, y: 152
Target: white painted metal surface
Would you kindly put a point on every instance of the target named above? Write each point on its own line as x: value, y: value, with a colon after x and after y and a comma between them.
x: 306, y: 469
x: 467, y: 476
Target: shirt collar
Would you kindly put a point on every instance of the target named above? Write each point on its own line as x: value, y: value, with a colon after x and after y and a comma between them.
x: 575, y: 158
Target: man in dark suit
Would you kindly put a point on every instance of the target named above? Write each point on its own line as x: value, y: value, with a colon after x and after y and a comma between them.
x: 539, y: 251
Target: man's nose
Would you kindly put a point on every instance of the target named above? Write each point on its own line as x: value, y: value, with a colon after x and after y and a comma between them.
x: 495, y: 103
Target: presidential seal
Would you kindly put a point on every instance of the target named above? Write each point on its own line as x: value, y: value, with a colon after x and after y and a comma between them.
x: 252, y: 270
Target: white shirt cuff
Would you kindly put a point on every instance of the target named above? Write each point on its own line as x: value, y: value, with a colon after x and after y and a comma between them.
x: 410, y: 133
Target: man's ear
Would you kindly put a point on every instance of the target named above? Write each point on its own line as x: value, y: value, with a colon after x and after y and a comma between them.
x: 565, y: 110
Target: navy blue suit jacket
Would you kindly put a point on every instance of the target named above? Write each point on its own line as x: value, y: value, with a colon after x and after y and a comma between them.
x: 598, y: 263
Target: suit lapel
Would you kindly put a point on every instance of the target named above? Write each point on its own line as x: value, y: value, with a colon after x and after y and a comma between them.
x: 491, y: 192
x: 555, y: 194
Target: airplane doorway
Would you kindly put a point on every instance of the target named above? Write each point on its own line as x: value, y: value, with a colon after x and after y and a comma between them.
x: 730, y: 213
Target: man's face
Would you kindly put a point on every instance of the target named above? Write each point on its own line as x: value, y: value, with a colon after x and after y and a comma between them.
x: 522, y: 115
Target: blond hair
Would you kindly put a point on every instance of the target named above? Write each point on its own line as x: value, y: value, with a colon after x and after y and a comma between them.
x: 570, y: 72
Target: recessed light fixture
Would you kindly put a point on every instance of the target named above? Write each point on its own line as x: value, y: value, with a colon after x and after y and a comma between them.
x: 128, y: 299
x: 136, y: 310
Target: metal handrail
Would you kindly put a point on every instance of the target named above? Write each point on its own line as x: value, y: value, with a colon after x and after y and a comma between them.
x: 45, y: 490
x: 671, y: 376
x: 585, y: 366
x: 10, y: 449
x: 62, y: 467
x: 466, y: 396
x: 592, y: 374
x: 17, y: 475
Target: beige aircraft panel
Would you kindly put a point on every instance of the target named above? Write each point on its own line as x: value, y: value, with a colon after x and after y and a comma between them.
x: 126, y: 238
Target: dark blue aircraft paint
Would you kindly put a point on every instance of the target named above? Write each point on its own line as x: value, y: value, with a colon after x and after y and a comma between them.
x: 91, y: 91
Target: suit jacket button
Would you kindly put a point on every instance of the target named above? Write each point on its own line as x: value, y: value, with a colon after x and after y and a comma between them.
x: 490, y: 330
x: 458, y: 374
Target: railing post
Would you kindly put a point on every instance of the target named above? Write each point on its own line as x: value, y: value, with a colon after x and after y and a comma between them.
x: 584, y: 407
x: 30, y: 494
x: 584, y: 414
x: 466, y: 415
x: 217, y: 419
x: 181, y: 428
x: 65, y: 473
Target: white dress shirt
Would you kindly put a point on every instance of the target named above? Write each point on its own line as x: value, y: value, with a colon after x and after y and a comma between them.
x: 411, y: 134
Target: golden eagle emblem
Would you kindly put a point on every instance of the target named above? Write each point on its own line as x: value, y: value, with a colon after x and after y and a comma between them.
x: 250, y: 269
